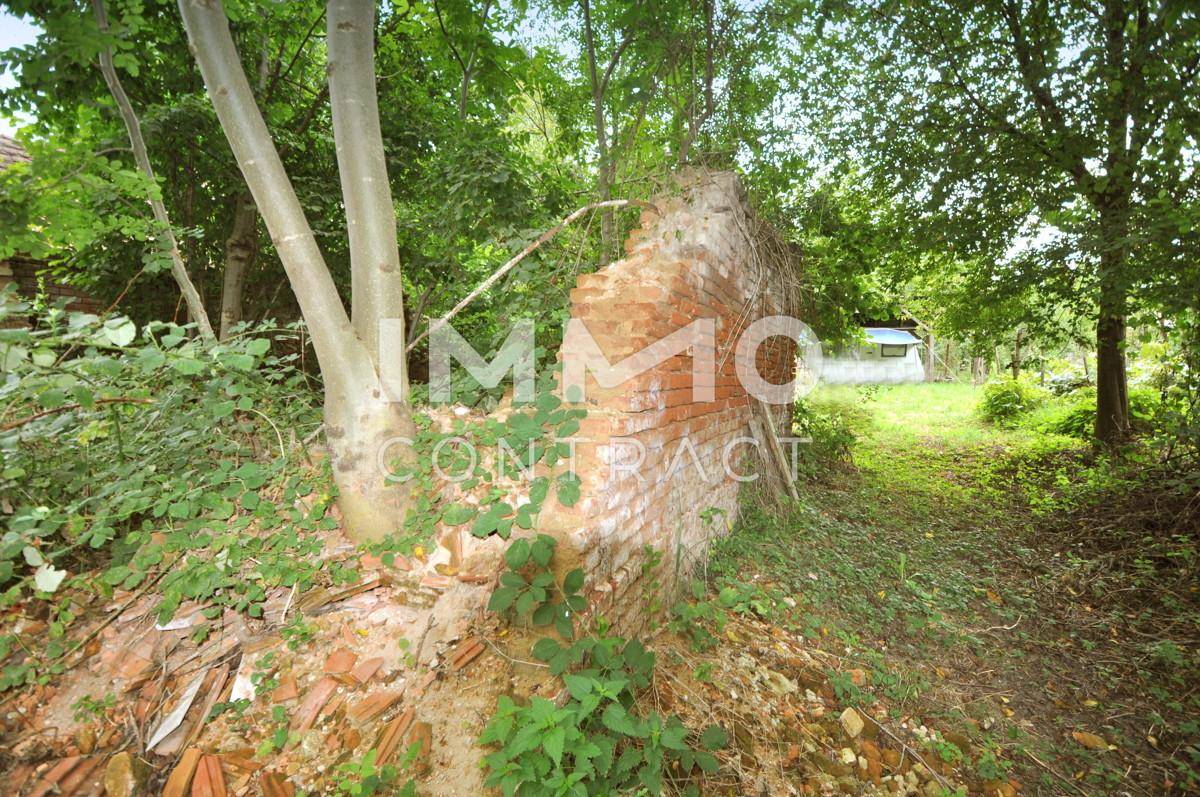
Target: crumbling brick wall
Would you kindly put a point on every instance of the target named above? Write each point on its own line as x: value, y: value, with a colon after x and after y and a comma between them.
x: 696, y: 259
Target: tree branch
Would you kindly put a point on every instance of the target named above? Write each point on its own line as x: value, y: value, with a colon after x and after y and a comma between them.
x: 512, y: 262
x: 377, y: 291
x: 1048, y: 111
x: 134, y: 128
x: 68, y: 408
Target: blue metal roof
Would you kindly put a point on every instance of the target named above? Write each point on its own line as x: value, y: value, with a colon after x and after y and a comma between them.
x: 892, y: 337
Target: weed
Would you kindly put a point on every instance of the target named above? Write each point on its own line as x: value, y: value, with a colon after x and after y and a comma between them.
x: 364, y: 778
x: 528, y: 589
x: 88, y: 707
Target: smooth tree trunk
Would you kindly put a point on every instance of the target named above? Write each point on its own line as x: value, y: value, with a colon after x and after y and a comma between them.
x: 363, y: 424
x: 371, y: 422
x: 133, y: 127
x: 241, y: 249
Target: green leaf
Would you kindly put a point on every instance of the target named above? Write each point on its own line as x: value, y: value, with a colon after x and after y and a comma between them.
x: 457, y: 514
x: 120, y: 331
x: 543, y: 550
x: 617, y: 720
x: 568, y: 490
x: 502, y: 599
x: 714, y: 737
x: 545, y: 649
x: 544, y: 615
x: 517, y: 554
x: 525, y: 603
x: 187, y: 366
x: 258, y: 347
x: 548, y: 402
x: 553, y: 744
x: 252, y: 475
x: 578, y: 685
x: 573, y: 582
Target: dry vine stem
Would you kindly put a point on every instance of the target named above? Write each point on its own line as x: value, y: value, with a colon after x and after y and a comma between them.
x: 508, y: 266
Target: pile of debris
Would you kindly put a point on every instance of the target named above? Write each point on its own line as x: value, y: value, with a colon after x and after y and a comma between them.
x: 275, y: 705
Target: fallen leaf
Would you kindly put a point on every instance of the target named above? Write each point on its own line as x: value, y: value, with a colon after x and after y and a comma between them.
x: 1090, y: 740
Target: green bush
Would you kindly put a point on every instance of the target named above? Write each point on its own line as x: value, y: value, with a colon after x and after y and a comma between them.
x: 599, y: 741
x: 129, y: 455
x: 829, y: 430
x: 1004, y: 402
x: 1077, y: 417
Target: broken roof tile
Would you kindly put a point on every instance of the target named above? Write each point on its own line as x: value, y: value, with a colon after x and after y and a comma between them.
x: 363, y: 671
x: 179, y: 782
x: 373, y: 706
x: 314, y: 701
x: 341, y: 660
x: 209, y: 780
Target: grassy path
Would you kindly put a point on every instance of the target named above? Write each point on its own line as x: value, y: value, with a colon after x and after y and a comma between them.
x: 924, y: 561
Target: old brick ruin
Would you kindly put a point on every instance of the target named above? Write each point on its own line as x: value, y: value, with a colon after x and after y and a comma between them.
x: 695, y: 260
x: 407, y: 655
x: 699, y: 257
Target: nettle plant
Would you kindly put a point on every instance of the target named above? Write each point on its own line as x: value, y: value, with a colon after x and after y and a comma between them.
x: 598, y: 742
x: 137, y: 457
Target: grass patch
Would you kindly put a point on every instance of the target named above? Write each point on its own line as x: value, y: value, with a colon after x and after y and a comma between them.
x: 1005, y: 580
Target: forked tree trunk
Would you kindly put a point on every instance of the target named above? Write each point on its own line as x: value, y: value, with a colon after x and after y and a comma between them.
x: 241, y: 248
x: 362, y: 422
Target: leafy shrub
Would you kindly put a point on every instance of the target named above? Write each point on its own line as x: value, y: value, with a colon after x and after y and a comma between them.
x: 1006, y: 400
x: 529, y: 591
x: 1066, y: 383
x: 149, y: 455
x: 598, y: 742
x: 829, y: 430
x: 698, y: 620
x: 1078, y: 417
x: 533, y: 431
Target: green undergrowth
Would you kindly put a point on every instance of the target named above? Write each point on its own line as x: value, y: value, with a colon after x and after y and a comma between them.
x: 138, y: 458
x: 600, y: 740
x: 477, y: 454
x: 955, y: 547
x: 150, y: 460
